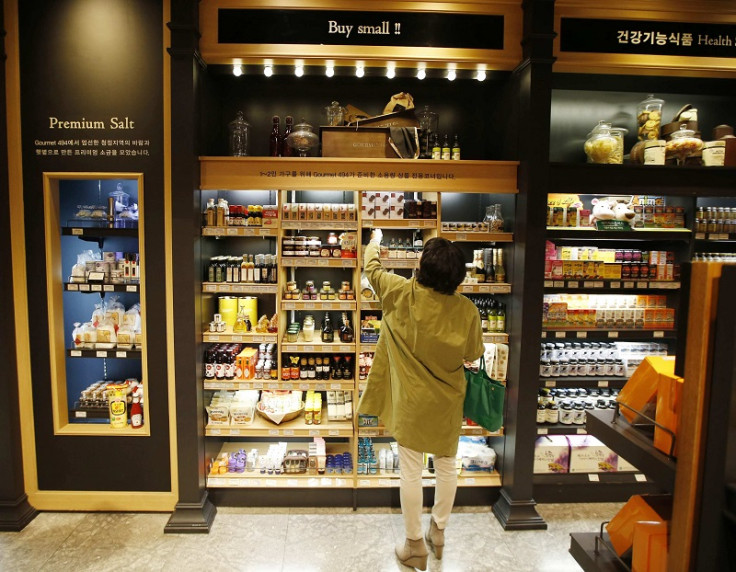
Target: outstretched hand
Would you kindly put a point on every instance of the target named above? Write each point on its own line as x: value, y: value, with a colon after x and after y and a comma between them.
x: 376, y: 235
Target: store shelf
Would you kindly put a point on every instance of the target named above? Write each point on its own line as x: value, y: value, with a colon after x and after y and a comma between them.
x: 582, y: 178
x: 464, y: 479
x: 601, y: 334
x: 560, y: 429
x: 347, y: 306
x: 370, y: 305
x: 114, y: 353
x: 315, y: 262
x: 493, y: 288
x: 258, y: 479
x: 400, y: 263
x: 590, y: 233
x: 235, y: 231
x: 230, y: 337
x: 358, y: 174
x: 88, y: 288
x: 610, y: 285
x: 496, y: 337
x: 95, y: 232
x: 579, y: 381
x: 632, y: 444
x: 572, y: 479
x: 319, y: 225
x: 711, y: 237
x: 470, y: 236
x: 296, y: 428
x: 316, y: 346
x: 381, y: 431
x: 583, y: 550
x: 303, y: 384
x: 409, y: 223
x: 242, y: 288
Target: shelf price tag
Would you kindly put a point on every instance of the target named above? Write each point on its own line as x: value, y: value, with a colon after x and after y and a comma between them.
x: 318, y: 387
x: 77, y: 231
x: 72, y: 287
x: 550, y: 383
x: 323, y: 262
x: 559, y: 284
x: 658, y: 334
x: 549, y: 283
x: 597, y: 284
x: 314, y: 432
x: 292, y: 482
x: 461, y: 236
x: 640, y: 478
x: 84, y: 287
x: 215, y: 432
x: 308, y: 348
x: 364, y: 483
x: 80, y: 414
x: 76, y: 353
x: 470, y: 480
x: 334, y: 432
x: 484, y: 289
x: 288, y: 432
x: 108, y: 288
x: 121, y: 354
x: 615, y: 285
x: 542, y: 431
x: 131, y: 288
x: 234, y: 431
x: 560, y: 334
x: 573, y: 284
x: 384, y: 482
x: 582, y: 334
x: 345, y: 348
x: 335, y: 386
x: 101, y: 354
x: 581, y: 431
x: 628, y: 284
x: 602, y: 383
x: 287, y: 386
x: 612, y: 334
x: 642, y: 285
x: 593, y: 478
x: 231, y: 231
x: 273, y: 432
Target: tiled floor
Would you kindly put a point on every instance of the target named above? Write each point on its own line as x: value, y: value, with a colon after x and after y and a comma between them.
x: 301, y: 540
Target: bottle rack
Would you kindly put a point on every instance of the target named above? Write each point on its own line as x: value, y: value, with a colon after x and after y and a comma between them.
x: 340, y: 436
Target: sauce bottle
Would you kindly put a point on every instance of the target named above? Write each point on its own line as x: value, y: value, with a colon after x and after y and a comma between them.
x: 136, y: 414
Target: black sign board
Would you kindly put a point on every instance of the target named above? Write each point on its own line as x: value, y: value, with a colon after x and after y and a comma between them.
x: 349, y: 28
x: 648, y: 37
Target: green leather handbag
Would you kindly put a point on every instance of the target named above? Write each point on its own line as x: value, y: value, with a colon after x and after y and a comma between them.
x: 484, y: 398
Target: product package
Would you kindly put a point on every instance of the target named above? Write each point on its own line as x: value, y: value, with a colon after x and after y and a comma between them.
x: 551, y: 454
x: 640, y: 392
x: 649, y: 553
x: 639, y: 508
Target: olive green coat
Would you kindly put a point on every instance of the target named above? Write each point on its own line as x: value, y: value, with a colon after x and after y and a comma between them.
x: 417, y: 383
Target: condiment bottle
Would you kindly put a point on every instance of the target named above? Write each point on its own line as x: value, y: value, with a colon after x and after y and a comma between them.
x: 136, y: 414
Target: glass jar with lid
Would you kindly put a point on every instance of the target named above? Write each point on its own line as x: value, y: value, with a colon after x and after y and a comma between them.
x: 649, y: 118
x: 682, y: 144
x: 602, y: 145
x: 238, y: 129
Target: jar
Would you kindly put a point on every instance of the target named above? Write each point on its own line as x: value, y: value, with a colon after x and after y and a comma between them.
x: 682, y: 144
x: 601, y: 146
x: 714, y: 153
x: 618, y: 133
x: 654, y: 152
x: 238, y: 138
x: 308, y: 328
x: 649, y: 118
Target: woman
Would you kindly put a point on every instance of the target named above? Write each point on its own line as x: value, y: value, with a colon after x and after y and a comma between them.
x: 417, y: 383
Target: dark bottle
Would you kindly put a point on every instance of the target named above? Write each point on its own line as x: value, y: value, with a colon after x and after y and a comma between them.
x: 446, y: 149
x: 287, y: 151
x: 272, y: 271
x: 348, y: 367
x: 456, y: 150
x: 266, y: 269
x: 328, y: 334
x: 490, y: 271
x: 209, y: 364
x: 436, y: 148
x: 258, y: 269
x: 347, y: 335
x: 337, y: 367
x: 274, y: 141
x: 320, y: 369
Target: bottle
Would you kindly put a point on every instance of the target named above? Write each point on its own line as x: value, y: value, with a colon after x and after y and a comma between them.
x: 436, y: 149
x: 498, y: 267
x: 328, y: 334
x: 493, y: 316
x: 483, y: 316
x: 244, y: 268
x: 236, y: 263
x: 136, y: 414
x: 275, y: 141
x: 228, y: 270
x: 489, y: 271
x: 286, y: 150
x: 273, y: 274
x: 250, y: 275
x: 211, y: 269
x: 257, y: 270
x: 501, y: 317
x: 210, y: 213
x: 265, y: 268
x: 347, y: 335
x: 456, y: 150
x: 446, y: 150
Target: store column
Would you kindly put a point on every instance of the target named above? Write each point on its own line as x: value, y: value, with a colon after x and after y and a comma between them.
x: 515, y: 508
x: 15, y: 511
x: 194, y: 512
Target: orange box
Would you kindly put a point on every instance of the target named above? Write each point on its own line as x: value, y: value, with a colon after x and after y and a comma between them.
x: 669, y: 408
x: 649, y: 552
x: 246, y: 363
x: 640, y: 391
x: 649, y: 508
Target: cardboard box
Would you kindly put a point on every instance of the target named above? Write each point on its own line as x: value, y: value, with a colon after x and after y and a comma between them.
x: 669, y: 409
x: 383, y: 206
x: 551, y: 454
x: 649, y: 551
x: 356, y: 142
x: 246, y: 363
x: 639, y: 508
x: 589, y: 455
x: 640, y: 391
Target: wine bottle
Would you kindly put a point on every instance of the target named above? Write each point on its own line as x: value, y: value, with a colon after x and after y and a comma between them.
x: 446, y: 149
x: 347, y: 335
x: 498, y: 267
x: 456, y: 150
x: 328, y: 334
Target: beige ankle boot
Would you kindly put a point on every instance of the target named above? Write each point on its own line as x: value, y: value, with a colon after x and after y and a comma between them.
x: 436, y: 539
x: 413, y: 553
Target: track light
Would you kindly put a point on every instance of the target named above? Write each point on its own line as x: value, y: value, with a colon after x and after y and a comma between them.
x: 421, y: 73
x: 299, y: 71
x: 237, y: 70
x: 480, y: 75
x: 451, y: 75
x: 391, y: 72
x: 268, y: 71
x: 330, y: 71
x: 359, y: 71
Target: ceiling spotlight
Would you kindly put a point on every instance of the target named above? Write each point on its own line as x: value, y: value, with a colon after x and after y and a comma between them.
x: 298, y: 71
x: 330, y: 71
x: 480, y: 75
x: 268, y: 71
x: 451, y: 75
x: 237, y: 70
x: 359, y: 71
x: 421, y: 73
x: 391, y: 72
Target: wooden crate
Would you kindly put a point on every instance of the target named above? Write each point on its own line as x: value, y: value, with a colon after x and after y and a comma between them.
x: 356, y: 142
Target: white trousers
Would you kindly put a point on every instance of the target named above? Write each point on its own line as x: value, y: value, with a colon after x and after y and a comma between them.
x: 410, y: 465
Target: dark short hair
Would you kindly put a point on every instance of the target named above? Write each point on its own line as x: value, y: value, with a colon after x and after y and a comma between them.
x: 442, y: 266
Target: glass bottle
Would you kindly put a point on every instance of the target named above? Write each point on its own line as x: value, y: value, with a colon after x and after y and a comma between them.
x: 498, y: 266
x: 275, y: 141
x: 347, y: 335
x: 501, y: 317
x: 210, y: 213
x: 238, y: 141
x: 483, y: 316
x: 436, y: 149
x: 492, y: 316
x: 286, y: 150
x: 446, y: 149
x: 455, y: 153
x: 328, y: 334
